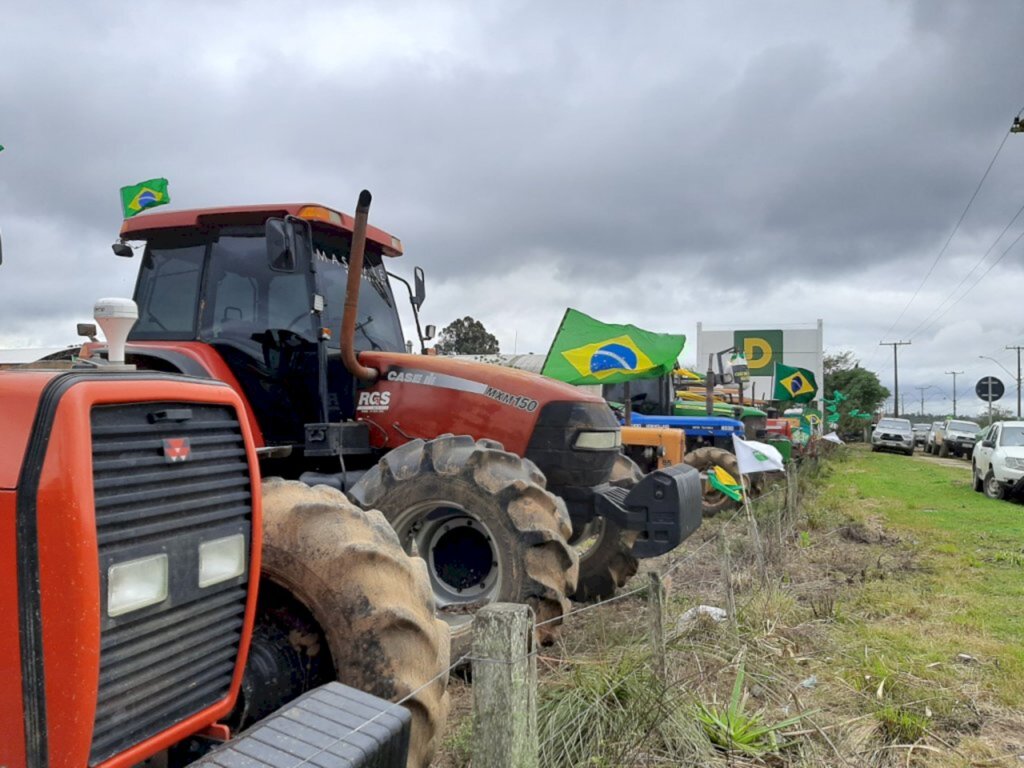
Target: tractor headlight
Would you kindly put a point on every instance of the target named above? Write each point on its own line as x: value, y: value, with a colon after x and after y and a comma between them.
x: 221, y: 559
x: 135, y: 584
x: 598, y: 441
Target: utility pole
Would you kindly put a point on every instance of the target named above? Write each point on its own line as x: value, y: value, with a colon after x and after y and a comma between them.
x: 954, y: 374
x: 1011, y: 346
x: 921, y: 390
x: 895, y: 373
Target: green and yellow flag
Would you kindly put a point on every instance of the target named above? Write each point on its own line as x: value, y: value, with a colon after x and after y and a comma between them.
x: 795, y: 384
x: 147, y: 194
x: 587, y: 351
x: 721, y: 480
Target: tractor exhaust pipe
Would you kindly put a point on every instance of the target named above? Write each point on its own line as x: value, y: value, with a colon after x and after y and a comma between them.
x: 355, y: 276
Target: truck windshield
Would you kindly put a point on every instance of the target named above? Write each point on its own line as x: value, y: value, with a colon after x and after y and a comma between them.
x: 963, y: 426
x: 1011, y: 436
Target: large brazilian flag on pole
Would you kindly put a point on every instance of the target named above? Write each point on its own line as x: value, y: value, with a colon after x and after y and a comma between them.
x: 587, y: 351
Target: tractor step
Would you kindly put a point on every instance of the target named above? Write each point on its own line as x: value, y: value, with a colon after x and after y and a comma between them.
x: 333, y: 726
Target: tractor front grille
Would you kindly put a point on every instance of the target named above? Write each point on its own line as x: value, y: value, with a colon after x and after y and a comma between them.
x: 167, y: 477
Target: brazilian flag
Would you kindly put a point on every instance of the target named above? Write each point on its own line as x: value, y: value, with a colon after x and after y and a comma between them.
x: 722, y: 481
x: 796, y: 384
x: 587, y: 351
x: 146, y: 194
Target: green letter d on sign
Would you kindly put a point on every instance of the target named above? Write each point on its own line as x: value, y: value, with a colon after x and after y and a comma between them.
x: 761, y: 348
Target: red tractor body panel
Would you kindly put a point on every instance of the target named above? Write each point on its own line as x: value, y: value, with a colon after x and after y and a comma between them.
x: 425, y: 396
x: 19, y: 396
x: 199, y: 353
x: 68, y: 583
x: 12, y: 713
x: 138, y: 227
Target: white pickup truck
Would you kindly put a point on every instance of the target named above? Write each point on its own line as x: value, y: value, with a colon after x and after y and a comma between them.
x: 998, y: 460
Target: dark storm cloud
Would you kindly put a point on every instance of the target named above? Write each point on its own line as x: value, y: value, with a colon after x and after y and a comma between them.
x: 598, y: 141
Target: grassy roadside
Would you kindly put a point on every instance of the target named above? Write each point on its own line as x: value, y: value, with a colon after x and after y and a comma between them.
x: 888, y: 626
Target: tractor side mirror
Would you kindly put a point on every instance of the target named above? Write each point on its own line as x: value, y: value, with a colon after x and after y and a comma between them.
x: 299, y: 236
x: 280, y: 256
x: 122, y: 249
x: 428, y: 332
x: 88, y: 330
x: 421, y: 287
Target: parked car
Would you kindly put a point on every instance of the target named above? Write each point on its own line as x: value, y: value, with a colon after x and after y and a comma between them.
x: 998, y: 462
x: 921, y: 433
x: 956, y: 438
x: 893, y: 435
x: 933, y: 431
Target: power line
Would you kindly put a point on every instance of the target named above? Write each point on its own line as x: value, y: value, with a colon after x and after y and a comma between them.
x: 955, y: 229
x: 975, y: 283
x: 924, y: 323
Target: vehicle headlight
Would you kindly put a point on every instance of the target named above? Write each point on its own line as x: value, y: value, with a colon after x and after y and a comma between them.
x: 221, y: 559
x: 598, y: 441
x: 1012, y: 463
x: 135, y: 584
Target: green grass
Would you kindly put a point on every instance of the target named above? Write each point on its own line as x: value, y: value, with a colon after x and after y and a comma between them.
x: 952, y: 584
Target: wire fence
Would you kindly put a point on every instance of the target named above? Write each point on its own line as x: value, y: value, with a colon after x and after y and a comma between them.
x: 746, y: 508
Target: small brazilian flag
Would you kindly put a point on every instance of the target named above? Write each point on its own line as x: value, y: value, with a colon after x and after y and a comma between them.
x: 795, y: 384
x: 721, y: 480
x: 147, y: 194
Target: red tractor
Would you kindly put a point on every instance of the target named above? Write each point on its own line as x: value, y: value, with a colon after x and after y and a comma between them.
x: 490, y: 474
x: 133, y: 544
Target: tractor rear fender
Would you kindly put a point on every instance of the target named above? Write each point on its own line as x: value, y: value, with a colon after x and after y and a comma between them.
x: 665, y: 507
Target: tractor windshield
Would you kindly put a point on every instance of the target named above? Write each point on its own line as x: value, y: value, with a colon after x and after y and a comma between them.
x: 218, y: 286
x: 377, y: 326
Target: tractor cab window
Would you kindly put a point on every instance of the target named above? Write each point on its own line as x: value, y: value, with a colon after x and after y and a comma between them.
x: 168, y: 292
x: 377, y: 324
x: 246, y: 300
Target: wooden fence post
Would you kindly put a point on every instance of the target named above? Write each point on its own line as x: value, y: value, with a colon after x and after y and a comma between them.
x: 504, y: 687
x: 656, y: 625
x: 725, y: 561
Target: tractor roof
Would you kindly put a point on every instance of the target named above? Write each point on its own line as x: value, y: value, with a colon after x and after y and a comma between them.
x: 140, y: 226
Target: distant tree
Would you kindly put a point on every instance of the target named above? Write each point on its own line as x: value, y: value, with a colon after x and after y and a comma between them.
x: 998, y: 414
x: 861, y: 386
x: 466, y: 337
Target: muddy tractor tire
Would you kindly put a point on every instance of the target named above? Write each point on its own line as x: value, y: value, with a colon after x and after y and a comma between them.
x: 370, y: 601
x: 485, y: 524
x: 605, y: 550
x: 702, y: 460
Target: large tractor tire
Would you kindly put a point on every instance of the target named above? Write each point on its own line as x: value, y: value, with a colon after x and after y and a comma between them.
x: 605, y: 550
x: 702, y: 460
x: 483, y: 521
x: 369, y: 602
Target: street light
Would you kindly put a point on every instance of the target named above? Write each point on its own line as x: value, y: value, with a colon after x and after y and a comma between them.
x: 1011, y: 375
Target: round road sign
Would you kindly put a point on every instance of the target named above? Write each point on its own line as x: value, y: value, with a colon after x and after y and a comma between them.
x: 989, y: 389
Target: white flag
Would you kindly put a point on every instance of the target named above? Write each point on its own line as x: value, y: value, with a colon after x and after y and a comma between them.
x: 832, y: 437
x: 752, y: 456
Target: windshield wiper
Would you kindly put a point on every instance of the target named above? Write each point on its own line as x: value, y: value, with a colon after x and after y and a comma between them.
x: 361, y: 327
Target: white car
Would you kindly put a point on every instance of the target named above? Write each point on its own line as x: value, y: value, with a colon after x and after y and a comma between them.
x: 998, y: 460
x: 893, y: 435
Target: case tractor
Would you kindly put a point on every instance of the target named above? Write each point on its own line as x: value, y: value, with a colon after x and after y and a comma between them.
x: 159, y: 597
x: 491, y: 475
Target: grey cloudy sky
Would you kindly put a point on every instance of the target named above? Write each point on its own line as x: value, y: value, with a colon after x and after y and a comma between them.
x: 747, y: 164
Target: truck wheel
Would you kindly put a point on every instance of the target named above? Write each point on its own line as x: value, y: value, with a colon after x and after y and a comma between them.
x: 484, y: 523
x: 370, y: 604
x: 704, y: 459
x: 993, y: 488
x: 976, y: 481
x: 605, y: 550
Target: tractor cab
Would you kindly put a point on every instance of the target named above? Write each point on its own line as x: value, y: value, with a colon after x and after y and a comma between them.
x: 266, y: 289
